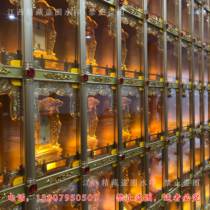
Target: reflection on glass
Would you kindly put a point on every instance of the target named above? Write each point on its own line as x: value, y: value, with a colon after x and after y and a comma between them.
x: 172, y: 110
x: 56, y: 123
x: 197, y: 66
x: 155, y: 53
x: 132, y: 47
x: 66, y: 203
x: 186, y: 64
x: 10, y: 133
x: 155, y: 7
x: 100, y: 39
x: 133, y: 173
x: 102, y: 185
x: 206, y: 27
x: 155, y: 112
x: 197, y: 107
x: 132, y: 109
x: 186, y: 156
x: 172, y: 59
x: 172, y: 14
x: 197, y: 151
x: 172, y: 162
x: 197, y: 18
x: 186, y: 109
x: 55, y: 35
x: 206, y: 107
x: 10, y: 34
x: 101, y: 117
x: 134, y: 3
x: 207, y: 146
x: 155, y: 171
x: 186, y: 13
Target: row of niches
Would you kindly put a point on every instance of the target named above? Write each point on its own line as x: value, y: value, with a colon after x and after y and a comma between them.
x: 103, y: 186
x: 56, y: 34
x: 56, y: 124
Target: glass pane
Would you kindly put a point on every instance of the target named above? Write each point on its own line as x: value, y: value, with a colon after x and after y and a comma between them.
x: 172, y: 59
x: 186, y: 109
x: 101, y: 118
x: 56, y: 125
x: 206, y: 107
x: 100, y: 39
x: 197, y: 21
x: 207, y: 145
x: 172, y: 110
x: 206, y: 27
x: 134, y: 178
x: 11, y: 161
x: 155, y: 113
x: 197, y: 66
x: 103, y: 185
x: 197, y: 151
x: 132, y: 47
x: 172, y: 162
x: 155, y: 53
x: 186, y: 13
x: 172, y: 11
x: 135, y: 3
x: 155, y: 7
x: 10, y: 34
x: 55, y: 32
x: 186, y: 64
x: 132, y: 109
x: 186, y: 156
x: 206, y: 68
x: 62, y: 197
x: 155, y: 171
x: 197, y: 107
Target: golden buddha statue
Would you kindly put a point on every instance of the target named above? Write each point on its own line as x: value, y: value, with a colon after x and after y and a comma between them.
x: 47, y: 130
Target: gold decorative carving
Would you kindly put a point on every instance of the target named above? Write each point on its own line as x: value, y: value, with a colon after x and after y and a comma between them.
x: 3, y: 70
x: 58, y: 76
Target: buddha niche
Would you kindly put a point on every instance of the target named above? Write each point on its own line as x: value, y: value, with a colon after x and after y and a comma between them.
x: 124, y: 49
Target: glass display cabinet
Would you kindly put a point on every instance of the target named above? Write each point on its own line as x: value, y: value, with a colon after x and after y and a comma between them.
x: 56, y: 125
x: 172, y: 12
x: 103, y: 185
x: 186, y: 15
x: 135, y: 4
x: 172, y: 59
x: 155, y: 7
x: 172, y: 162
x: 10, y: 34
x: 132, y: 47
x: 101, y: 119
x: 172, y: 110
x: 134, y: 181
x: 197, y: 21
x: 206, y: 107
x: 63, y: 197
x: 155, y: 53
x: 197, y: 107
x: 206, y: 27
x: 55, y: 35
x: 186, y: 63
x: 186, y: 156
x: 132, y: 111
x: 185, y: 109
x: 206, y: 146
x: 155, y: 115
x: 197, y: 151
x: 156, y: 172
x: 11, y: 146
x: 197, y: 66
x: 100, y: 39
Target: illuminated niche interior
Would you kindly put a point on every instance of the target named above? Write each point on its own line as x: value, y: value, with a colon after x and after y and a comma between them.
x: 197, y: 66
x: 155, y: 7
x: 137, y: 4
x: 186, y: 13
x: 197, y: 151
x: 132, y: 47
x: 206, y: 68
x: 172, y: 110
x: 207, y: 146
x: 172, y: 59
x: 101, y: 116
x: 197, y: 107
x: 56, y: 122
x: 172, y: 162
x: 207, y: 186
x: 186, y: 109
x: 55, y: 35
x: 198, y: 190
x: 186, y: 63
x: 155, y: 53
x: 101, y: 184
x: 206, y: 107
x: 155, y: 112
x: 155, y: 171
x: 10, y: 44
x: 10, y: 133
x: 172, y: 14
x: 197, y: 18
x: 132, y: 110
x: 100, y: 39
x: 206, y: 27
x: 186, y: 156
x: 135, y: 181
